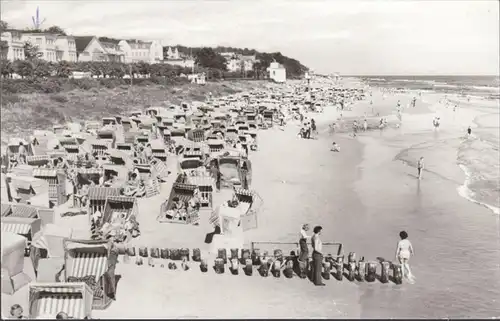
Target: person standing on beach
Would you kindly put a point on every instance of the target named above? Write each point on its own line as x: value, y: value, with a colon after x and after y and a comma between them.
x: 404, y: 251
x: 365, y: 125
x: 469, y: 131
x: 304, y: 250
x: 317, y: 257
x: 420, y: 167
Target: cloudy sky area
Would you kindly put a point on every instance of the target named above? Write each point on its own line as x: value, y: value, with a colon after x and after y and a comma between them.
x: 350, y: 37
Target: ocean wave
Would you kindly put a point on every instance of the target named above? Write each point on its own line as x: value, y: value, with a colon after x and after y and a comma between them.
x: 468, y: 194
x: 478, y: 159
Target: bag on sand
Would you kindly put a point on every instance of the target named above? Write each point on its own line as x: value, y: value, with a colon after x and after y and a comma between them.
x: 196, y: 255
x: 219, y: 266
x: 175, y: 254
x: 234, y: 253
x: 203, y: 266
x: 222, y: 254
x: 256, y: 257
x: 154, y: 252
x: 288, y: 271
x: 234, y: 266
x: 248, y: 269
x: 184, y: 253
x: 164, y: 253
x: 143, y: 251
x: 245, y: 254
x: 131, y: 251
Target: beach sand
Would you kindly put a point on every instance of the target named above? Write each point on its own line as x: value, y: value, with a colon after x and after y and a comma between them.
x: 362, y: 197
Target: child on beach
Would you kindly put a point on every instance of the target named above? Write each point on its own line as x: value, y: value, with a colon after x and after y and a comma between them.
x: 335, y: 147
x: 420, y: 167
x: 404, y: 251
x: 16, y: 312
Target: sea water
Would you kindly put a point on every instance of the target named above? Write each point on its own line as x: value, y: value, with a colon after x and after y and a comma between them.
x: 366, y: 194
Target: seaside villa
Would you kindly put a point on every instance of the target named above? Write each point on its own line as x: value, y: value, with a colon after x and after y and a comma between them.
x: 277, y: 72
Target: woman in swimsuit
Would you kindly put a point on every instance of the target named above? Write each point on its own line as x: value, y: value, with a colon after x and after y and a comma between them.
x: 404, y: 251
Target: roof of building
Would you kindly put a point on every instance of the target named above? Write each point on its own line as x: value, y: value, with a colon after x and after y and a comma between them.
x: 82, y: 42
x: 138, y: 44
x: 248, y: 58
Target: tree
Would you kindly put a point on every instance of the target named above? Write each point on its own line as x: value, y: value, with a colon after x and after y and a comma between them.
x: 31, y: 51
x: 3, y: 26
x: 116, y: 70
x: 23, y: 68
x: 207, y: 57
x: 63, y: 69
x: 41, y: 68
x: 55, y: 30
x: 143, y: 68
x: 6, y: 68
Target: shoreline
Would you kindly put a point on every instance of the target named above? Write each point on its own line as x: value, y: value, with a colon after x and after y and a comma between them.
x: 362, y: 196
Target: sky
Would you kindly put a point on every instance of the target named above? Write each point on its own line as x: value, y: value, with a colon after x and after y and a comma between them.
x: 386, y: 37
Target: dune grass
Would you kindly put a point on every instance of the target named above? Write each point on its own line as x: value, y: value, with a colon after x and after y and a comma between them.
x: 22, y: 113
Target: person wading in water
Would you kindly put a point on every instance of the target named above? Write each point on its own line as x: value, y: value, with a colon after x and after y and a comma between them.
x: 317, y: 257
x: 420, y: 167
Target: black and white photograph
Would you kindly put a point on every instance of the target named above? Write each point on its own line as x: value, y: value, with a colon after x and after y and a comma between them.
x: 250, y: 159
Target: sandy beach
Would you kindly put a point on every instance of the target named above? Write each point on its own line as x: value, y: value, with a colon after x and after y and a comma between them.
x: 362, y: 197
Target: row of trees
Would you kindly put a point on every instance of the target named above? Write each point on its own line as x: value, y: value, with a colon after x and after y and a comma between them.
x: 38, y: 68
x: 212, y: 58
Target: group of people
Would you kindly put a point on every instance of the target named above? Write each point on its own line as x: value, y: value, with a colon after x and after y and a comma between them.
x: 308, y: 128
x: 404, y: 251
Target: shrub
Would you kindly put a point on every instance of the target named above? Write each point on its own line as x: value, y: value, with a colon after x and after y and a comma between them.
x: 59, y: 98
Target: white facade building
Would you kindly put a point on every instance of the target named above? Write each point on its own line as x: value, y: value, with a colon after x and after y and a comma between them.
x: 142, y: 51
x: 277, y: 72
x: 14, y: 45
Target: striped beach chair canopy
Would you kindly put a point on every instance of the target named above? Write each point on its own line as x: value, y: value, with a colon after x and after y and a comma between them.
x: 44, y: 172
x: 38, y: 160
x: 49, y: 299
x: 101, y: 193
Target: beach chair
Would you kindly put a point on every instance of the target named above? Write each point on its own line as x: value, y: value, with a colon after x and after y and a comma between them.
x: 92, y: 262
x: 97, y: 198
x: 72, y: 152
x: 158, y: 150
x: 46, y: 300
x: 205, y: 185
x: 26, y: 227
x: 100, y: 147
x: 48, y: 244
x: 57, y: 183
x: 184, y: 192
x: 160, y: 168
x: 12, y: 271
x: 126, y: 148
x: 38, y: 161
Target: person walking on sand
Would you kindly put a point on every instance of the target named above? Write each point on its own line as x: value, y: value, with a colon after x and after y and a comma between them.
x: 469, y: 131
x: 304, y: 250
x: 365, y: 125
x: 404, y: 251
x: 420, y: 167
x: 317, y: 257
x: 354, y: 128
